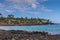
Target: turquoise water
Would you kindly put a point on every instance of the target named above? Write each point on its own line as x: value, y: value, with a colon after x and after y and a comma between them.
x: 53, y: 29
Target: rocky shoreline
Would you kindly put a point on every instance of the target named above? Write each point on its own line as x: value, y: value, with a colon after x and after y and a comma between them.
x: 24, y: 24
x: 24, y: 35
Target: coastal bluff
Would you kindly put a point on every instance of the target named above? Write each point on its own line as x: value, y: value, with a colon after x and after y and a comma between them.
x: 24, y: 35
x: 10, y: 20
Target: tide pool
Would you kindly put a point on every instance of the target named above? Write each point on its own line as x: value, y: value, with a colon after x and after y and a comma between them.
x: 53, y: 29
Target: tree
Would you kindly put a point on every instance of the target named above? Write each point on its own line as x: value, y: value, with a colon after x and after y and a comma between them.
x: 10, y: 16
x: 1, y: 15
x: 26, y: 18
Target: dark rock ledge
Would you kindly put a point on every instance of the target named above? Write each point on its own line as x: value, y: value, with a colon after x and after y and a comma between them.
x: 24, y: 35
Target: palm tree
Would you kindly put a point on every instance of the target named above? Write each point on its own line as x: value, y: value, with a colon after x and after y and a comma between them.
x: 1, y: 15
x: 26, y: 18
x: 10, y: 16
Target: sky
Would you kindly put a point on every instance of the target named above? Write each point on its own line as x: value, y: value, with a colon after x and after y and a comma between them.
x: 46, y: 9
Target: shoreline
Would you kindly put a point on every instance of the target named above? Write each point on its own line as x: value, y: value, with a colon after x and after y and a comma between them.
x: 23, y: 24
x: 39, y: 32
x: 24, y: 35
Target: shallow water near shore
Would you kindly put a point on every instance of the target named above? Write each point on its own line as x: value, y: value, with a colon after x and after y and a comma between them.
x: 51, y: 29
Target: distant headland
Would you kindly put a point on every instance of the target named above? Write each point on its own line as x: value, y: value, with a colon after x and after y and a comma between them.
x: 10, y: 20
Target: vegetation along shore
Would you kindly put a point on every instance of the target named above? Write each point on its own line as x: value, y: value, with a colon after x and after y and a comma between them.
x: 10, y: 20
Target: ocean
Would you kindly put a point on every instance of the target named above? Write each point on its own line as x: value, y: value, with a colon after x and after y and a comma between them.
x: 51, y: 29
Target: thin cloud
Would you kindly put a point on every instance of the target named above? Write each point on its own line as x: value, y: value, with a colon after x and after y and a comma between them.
x: 34, y: 5
x: 9, y: 11
x: 45, y: 9
x: 27, y: 5
x: 1, y: 5
x: 36, y: 12
x: 31, y: 3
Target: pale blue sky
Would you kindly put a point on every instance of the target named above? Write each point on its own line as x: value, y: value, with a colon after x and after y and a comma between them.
x: 47, y: 9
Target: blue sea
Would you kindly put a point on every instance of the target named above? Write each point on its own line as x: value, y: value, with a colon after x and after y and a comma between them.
x: 51, y: 29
